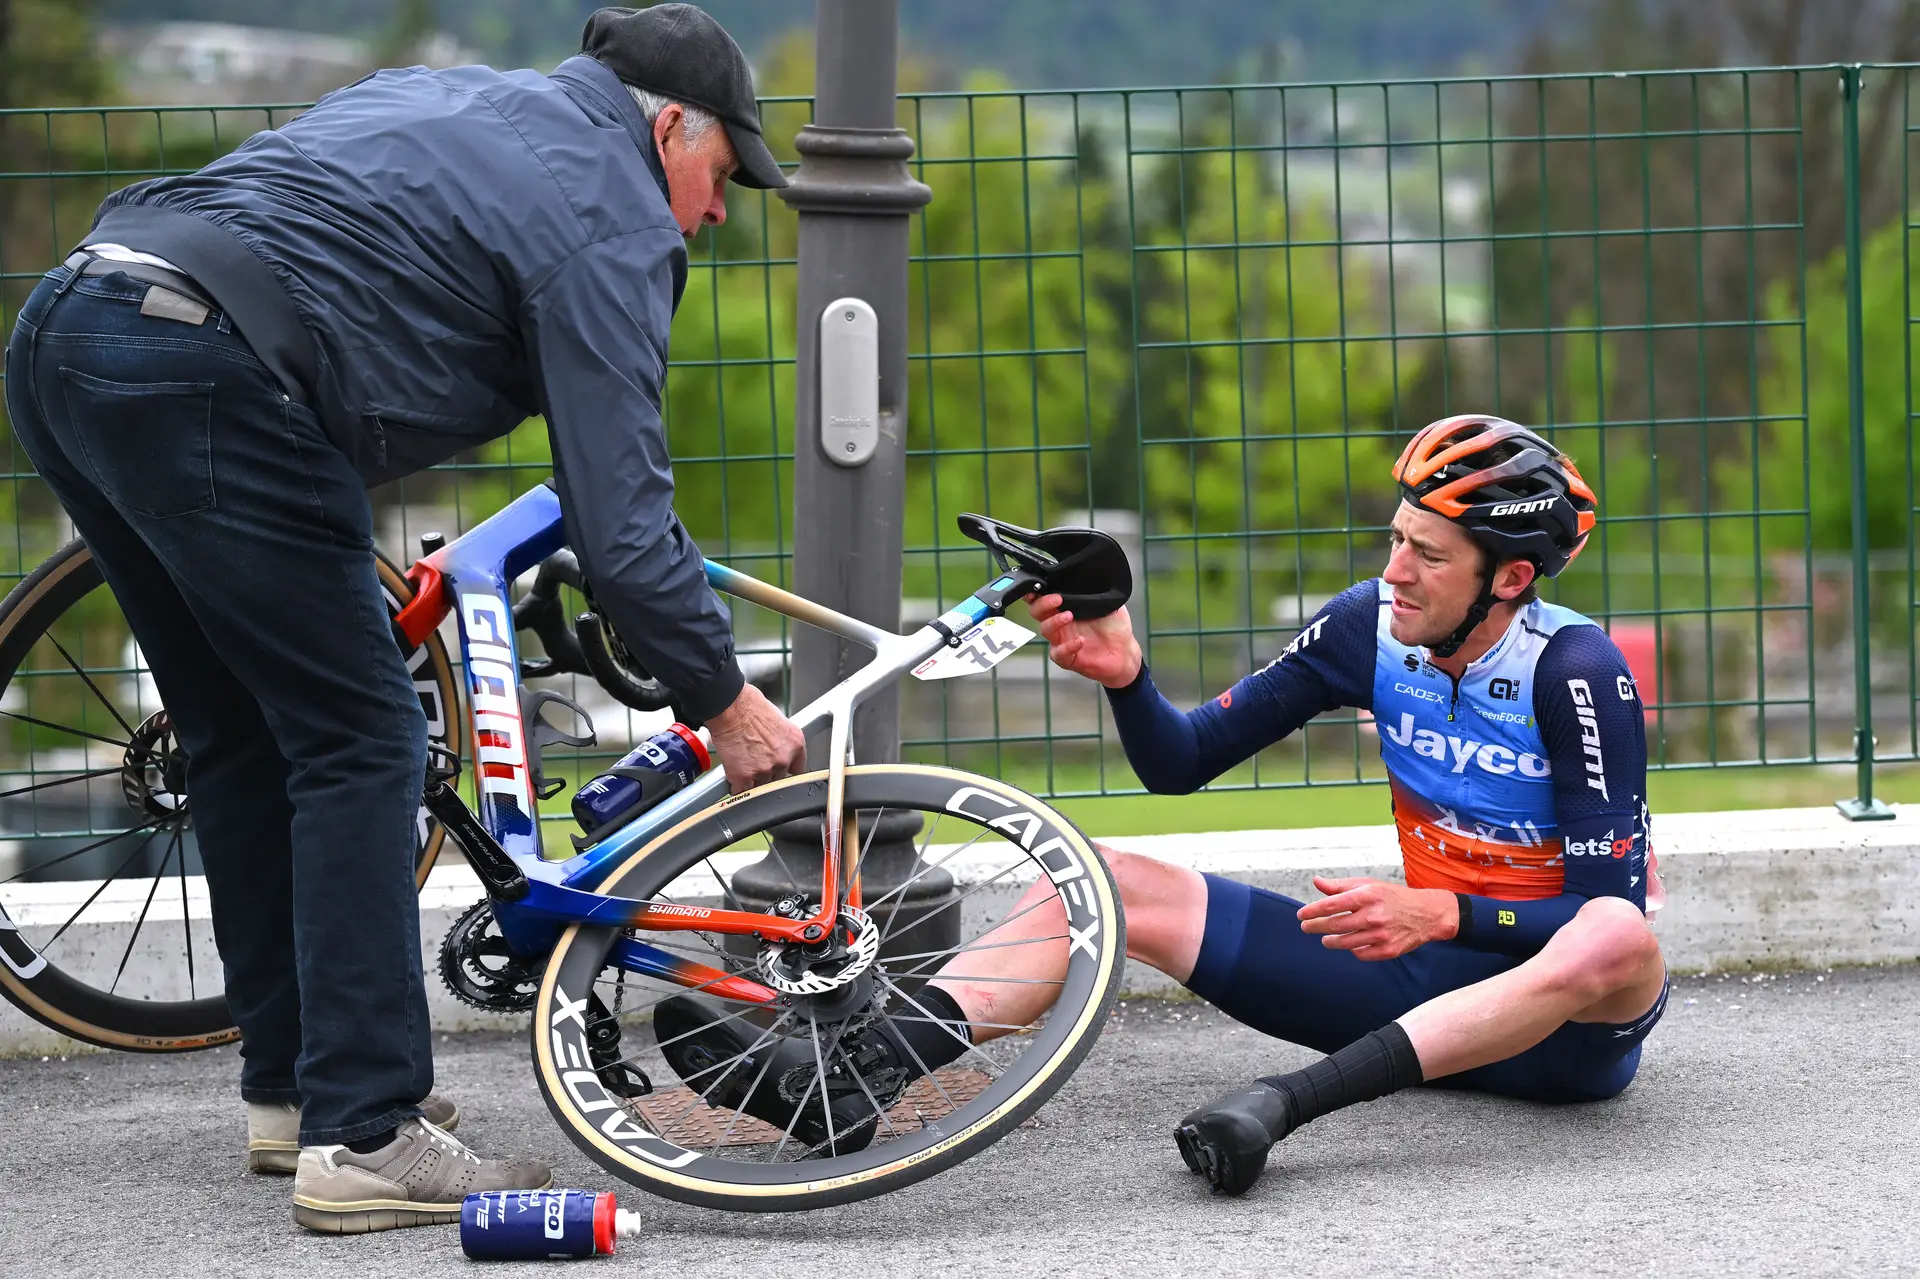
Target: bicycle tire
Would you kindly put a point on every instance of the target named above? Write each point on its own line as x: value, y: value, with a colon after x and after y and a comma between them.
x: 1087, y: 996
x: 54, y: 997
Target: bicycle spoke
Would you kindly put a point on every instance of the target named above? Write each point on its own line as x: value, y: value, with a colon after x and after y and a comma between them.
x: 861, y: 860
x: 872, y: 1100
x: 926, y: 1071
x: 85, y: 678
x: 773, y: 848
x: 927, y: 868
x: 719, y: 1070
x: 820, y: 1065
x: 58, y: 728
x: 931, y: 1020
x: 988, y: 931
x: 60, y: 781
x: 981, y: 887
x: 944, y: 1024
x: 758, y: 1079
x: 970, y: 949
x: 186, y: 917
x: 1017, y: 981
x: 100, y: 843
x: 141, y: 922
x: 94, y: 895
x: 820, y: 1078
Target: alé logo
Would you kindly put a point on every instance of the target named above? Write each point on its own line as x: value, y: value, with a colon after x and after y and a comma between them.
x: 1458, y: 752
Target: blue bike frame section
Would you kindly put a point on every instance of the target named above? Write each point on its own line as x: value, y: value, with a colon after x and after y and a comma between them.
x: 477, y: 570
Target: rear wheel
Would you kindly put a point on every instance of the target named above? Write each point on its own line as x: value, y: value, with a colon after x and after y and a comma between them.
x: 594, y: 1032
x: 104, y: 934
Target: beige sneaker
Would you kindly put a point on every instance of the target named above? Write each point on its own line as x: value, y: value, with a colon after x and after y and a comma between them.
x: 273, y: 1131
x: 418, y: 1179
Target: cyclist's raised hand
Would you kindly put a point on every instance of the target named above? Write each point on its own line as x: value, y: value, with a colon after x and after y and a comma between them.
x: 1103, y: 649
x: 755, y: 742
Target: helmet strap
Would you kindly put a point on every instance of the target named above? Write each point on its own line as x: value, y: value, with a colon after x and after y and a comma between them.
x: 1475, y: 615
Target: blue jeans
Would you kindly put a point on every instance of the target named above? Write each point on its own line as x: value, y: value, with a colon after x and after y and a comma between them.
x: 238, y: 542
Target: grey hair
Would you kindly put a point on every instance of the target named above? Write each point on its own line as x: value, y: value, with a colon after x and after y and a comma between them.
x: 697, y: 121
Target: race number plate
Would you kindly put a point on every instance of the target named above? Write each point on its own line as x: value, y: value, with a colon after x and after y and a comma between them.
x: 980, y: 649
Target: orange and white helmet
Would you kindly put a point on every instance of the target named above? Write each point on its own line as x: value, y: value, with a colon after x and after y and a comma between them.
x: 1512, y: 491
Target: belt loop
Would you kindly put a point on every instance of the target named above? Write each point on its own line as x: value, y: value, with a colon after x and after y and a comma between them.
x: 73, y: 275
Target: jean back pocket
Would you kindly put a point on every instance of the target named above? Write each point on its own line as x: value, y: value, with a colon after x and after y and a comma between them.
x: 148, y: 444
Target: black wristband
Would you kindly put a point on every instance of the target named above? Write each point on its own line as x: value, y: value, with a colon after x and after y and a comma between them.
x: 1132, y: 685
x: 1466, y: 916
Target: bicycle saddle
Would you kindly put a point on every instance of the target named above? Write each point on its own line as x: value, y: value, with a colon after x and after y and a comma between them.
x: 1084, y: 566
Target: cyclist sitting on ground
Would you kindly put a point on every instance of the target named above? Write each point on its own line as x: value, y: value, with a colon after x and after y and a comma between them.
x: 1516, y: 960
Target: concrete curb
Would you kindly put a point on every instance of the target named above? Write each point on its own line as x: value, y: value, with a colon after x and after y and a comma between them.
x: 1772, y: 889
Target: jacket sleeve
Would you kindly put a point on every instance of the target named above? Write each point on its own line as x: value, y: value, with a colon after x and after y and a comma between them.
x: 1328, y: 664
x: 596, y: 329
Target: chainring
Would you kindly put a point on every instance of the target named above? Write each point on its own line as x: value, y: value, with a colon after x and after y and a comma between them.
x: 479, y: 968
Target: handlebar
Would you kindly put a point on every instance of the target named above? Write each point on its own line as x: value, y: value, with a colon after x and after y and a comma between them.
x: 588, y: 646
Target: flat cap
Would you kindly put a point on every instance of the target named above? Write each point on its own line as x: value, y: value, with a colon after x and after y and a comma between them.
x: 678, y: 51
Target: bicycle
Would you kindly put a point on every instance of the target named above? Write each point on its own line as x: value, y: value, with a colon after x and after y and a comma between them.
x: 665, y: 902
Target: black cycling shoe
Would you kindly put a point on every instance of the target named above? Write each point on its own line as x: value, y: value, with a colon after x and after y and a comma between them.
x: 1227, y: 1142
x: 769, y: 1083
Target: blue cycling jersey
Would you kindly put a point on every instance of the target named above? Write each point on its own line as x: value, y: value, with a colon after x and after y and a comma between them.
x: 1520, y: 786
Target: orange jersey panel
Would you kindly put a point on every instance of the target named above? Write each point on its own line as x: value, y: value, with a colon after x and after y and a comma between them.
x: 1438, y: 854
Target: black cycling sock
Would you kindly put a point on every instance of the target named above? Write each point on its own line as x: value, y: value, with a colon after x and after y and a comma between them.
x: 933, y: 1045
x: 367, y: 1145
x: 1371, y: 1066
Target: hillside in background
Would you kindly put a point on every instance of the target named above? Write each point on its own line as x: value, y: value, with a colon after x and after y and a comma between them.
x: 1057, y: 44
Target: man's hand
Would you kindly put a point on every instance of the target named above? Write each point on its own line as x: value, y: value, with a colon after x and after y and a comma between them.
x: 1103, y: 650
x: 755, y: 742
x: 1377, y: 920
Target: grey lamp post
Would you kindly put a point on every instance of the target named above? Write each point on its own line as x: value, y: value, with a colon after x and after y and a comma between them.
x: 855, y: 199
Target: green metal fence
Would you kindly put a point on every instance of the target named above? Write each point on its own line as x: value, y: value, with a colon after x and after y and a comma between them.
x: 1207, y: 319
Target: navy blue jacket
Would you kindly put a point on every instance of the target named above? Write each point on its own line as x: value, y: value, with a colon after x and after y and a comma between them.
x: 468, y: 248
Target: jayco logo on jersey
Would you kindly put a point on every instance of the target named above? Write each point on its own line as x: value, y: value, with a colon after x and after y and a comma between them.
x: 1500, y: 760
x: 1589, y: 735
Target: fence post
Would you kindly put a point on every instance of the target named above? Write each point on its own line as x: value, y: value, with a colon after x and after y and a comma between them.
x: 855, y: 199
x: 1863, y: 807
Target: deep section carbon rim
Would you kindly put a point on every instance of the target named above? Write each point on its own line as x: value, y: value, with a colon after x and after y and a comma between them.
x: 682, y: 1142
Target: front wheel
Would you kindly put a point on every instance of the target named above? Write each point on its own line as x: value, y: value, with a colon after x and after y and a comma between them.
x: 992, y: 839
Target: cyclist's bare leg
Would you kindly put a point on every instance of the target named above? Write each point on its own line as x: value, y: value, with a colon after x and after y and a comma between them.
x: 1603, y: 966
x: 1166, y: 912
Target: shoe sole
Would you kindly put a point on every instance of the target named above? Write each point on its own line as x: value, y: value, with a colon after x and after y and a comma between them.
x: 1201, y: 1157
x: 368, y: 1216
x: 271, y: 1158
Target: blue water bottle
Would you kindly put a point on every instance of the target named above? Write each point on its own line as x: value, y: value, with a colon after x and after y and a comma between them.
x: 645, y: 775
x: 534, y: 1225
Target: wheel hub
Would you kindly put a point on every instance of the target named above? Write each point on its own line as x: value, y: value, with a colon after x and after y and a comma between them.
x: 821, y: 968
x: 153, y: 773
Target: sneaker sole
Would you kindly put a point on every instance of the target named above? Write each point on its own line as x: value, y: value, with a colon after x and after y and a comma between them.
x: 271, y: 1158
x: 367, y: 1216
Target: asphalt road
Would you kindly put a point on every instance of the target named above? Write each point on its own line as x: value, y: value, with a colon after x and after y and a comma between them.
x: 1773, y: 1130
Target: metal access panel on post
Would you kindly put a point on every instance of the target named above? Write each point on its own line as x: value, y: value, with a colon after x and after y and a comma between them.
x: 849, y: 381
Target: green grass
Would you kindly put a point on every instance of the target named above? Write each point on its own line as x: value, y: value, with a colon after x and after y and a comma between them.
x: 1686, y: 791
